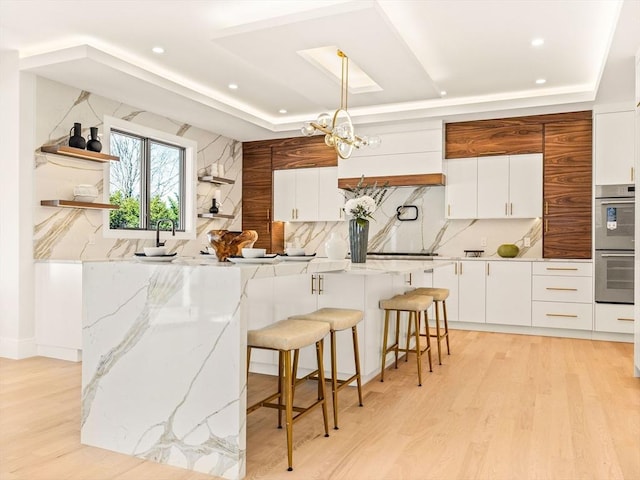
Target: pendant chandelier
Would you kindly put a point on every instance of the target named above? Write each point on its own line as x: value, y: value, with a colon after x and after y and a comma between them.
x: 338, y: 129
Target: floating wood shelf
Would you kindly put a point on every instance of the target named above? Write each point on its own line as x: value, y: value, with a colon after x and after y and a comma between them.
x: 434, y: 179
x: 79, y: 153
x: 215, y: 215
x: 218, y: 180
x: 74, y: 204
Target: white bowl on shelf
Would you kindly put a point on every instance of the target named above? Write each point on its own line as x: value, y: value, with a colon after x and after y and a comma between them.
x: 85, y: 193
x: 155, y: 251
x: 85, y: 198
x: 254, y: 252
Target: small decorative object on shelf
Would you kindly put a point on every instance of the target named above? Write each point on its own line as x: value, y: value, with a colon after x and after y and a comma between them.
x: 77, y: 140
x: 473, y: 253
x: 335, y: 247
x: 214, y: 207
x: 94, y: 144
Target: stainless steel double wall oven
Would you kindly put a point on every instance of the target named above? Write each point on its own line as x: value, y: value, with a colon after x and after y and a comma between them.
x: 614, y: 243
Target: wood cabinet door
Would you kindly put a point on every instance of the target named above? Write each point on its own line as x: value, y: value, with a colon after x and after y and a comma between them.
x: 567, y: 190
x: 256, y: 192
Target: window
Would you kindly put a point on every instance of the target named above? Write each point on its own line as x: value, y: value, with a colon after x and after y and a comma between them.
x: 153, y: 180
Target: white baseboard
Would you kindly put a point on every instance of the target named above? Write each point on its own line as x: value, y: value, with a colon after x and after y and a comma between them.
x: 60, y: 353
x: 17, y: 349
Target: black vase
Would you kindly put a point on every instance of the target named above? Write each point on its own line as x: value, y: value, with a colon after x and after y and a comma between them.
x: 77, y: 140
x: 94, y: 144
x: 214, y: 207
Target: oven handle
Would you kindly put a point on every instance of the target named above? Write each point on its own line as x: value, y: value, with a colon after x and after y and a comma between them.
x: 617, y: 255
x: 617, y: 202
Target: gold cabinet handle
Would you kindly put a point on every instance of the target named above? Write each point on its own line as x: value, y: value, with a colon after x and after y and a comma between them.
x: 460, y: 268
x: 320, y: 284
x: 633, y: 174
x: 313, y: 284
x: 268, y: 214
x: 563, y: 289
x: 626, y: 319
x: 268, y: 227
x: 488, y: 270
x: 455, y: 268
x: 546, y: 207
x: 546, y: 226
x: 506, y: 209
x: 562, y: 268
x: 511, y: 209
x: 409, y: 281
x: 448, y: 210
x: 566, y: 315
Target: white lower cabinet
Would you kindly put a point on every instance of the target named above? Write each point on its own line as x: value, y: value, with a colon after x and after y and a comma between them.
x: 614, y: 318
x: 509, y: 293
x: 471, y: 291
x: 562, y: 295
x: 273, y: 299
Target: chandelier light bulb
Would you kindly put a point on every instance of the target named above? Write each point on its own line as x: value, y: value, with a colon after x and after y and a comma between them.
x: 308, y: 129
x: 328, y: 140
x: 374, y: 142
x: 324, y: 119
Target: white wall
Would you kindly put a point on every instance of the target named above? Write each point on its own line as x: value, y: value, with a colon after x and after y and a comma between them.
x: 16, y: 263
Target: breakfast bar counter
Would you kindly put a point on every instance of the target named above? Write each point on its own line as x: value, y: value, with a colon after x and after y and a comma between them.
x: 164, y: 350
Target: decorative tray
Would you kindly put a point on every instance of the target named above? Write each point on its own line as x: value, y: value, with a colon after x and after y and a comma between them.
x: 157, y: 258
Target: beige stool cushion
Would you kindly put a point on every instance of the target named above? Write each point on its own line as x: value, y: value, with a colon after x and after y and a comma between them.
x: 287, y: 334
x: 337, y: 318
x: 438, y: 294
x: 412, y: 303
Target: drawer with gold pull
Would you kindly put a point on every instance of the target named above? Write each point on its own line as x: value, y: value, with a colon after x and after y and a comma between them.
x: 562, y: 289
x: 574, y: 316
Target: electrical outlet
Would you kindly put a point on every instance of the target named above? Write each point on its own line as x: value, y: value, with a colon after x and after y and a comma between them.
x: 483, y: 241
x: 527, y: 241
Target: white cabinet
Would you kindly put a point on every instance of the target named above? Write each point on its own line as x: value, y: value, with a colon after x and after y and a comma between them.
x: 614, y: 318
x: 58, y: 309
x: 562, y: 294
x: 471, y: 291
x: 510, y: 186
x: 445, y: 275
x: 503, y: 186
x: 306, y: 195
x: 614, y: 148
x: 508, y: 292
x: 462, y: 188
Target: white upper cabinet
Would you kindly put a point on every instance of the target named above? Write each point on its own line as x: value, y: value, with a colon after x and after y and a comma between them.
x: 306, y: 195
x: 503, y: 186
x: 418, y: 151
x: 462, y: 188
x: 510, y: 186
x: 614, y: 148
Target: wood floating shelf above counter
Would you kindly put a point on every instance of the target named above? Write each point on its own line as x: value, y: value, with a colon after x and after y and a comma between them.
x: 79, y: 153
x: 215, y: 215
x: 218, y: 180
x: 74, y: 204
x: 432, y: 179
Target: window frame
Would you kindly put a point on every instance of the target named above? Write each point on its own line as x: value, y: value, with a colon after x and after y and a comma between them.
x: 190, y: 185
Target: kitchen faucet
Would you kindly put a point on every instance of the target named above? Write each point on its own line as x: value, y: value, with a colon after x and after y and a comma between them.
x: 173, y: 230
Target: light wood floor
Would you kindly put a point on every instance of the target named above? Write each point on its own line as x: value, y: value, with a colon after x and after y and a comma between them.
x: 501, y: 407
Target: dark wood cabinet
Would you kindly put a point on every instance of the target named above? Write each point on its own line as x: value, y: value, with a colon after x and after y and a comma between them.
x: 302, y: 152
x: 567, y: 189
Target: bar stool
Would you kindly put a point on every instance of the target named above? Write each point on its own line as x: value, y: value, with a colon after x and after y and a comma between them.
x: 415, y: 305
x: 286, y: 336
x: 440, y: 296
x: 339, y: 319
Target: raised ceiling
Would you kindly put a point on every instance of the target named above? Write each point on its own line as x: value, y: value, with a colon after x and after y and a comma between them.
x: 478, y: 51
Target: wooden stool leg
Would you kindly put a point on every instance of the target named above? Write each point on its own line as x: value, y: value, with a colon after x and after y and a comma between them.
x: 438, y: 337
x: 319, y: 356
x: 334, y: 379
x: 426, y: 321
x: 288, y: 402
x: 446, y: 325
x: 385, y: 339
x: 416, y: 321
x: 356, y: 359
x: 248, y: 361
x: 397, y: 344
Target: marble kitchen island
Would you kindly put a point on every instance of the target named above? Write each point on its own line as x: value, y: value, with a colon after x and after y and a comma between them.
x: 164, y: 355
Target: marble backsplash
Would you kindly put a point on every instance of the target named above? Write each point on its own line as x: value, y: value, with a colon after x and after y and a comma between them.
x: 76, y: 234
x: 431, y: 232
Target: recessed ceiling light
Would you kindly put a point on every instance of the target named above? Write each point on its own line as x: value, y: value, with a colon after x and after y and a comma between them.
x: 536, y: 42
x: 282, y: 110
x: 233, y: 86
x: 443, y: 93
x: 540, y: 81
x: 157, y: 50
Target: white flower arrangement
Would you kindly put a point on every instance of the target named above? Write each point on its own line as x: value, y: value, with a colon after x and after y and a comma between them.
x: 366, y: 201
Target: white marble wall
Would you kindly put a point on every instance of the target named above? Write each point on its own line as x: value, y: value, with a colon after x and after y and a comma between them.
x: 75, y: 234
x: 431, y: 232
